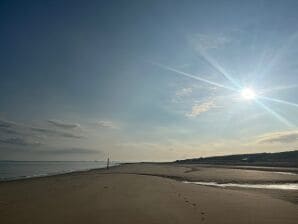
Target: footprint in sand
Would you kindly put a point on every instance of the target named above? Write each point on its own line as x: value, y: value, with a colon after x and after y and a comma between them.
x: 203, y: 216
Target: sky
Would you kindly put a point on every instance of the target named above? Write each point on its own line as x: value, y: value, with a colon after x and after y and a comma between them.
x: 147, y: 80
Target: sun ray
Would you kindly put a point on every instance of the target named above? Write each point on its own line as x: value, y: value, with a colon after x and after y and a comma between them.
x: 279, y: 101
x: 241, y: 90
x: 279, y: 54
x: 219, y: 68
x: 275, y: 114
x: 194, y: 77
x: 278, y: 88
x: 258, y: 67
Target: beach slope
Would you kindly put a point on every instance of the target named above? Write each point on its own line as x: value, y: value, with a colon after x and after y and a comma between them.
x: 137, y: 193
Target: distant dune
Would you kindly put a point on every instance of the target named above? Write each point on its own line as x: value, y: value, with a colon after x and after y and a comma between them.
x: 281, y: 159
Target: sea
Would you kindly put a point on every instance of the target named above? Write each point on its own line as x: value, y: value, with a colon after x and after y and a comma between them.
x: 13, y: 170
x: 273, y: 186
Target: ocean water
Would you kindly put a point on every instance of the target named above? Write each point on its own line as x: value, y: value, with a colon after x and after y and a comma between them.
x: 283, y: 186
x: 10, y: 170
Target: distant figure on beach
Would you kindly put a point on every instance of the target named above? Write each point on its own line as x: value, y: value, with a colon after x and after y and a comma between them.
x: 108, y: 163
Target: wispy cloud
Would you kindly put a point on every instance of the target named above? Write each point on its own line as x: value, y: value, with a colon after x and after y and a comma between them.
x: 106, y: 124
x: 4, y: 124
x: 56, y: 133
x: 13, y: 128
x: 250, y: 118
x: 183, y: 92
x: 198, y: 109
x: 19, y: 141
x: 206, y: 41
x: 73, y: 151
x: 279, y: 137
x: 8, y: 131
x: 64, y: 125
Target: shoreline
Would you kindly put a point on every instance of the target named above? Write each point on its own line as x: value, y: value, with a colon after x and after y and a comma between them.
x: 192, y: 167
x: 23, y: 178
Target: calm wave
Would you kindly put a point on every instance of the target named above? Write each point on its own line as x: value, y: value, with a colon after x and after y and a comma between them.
x: 283, y: 186
x: 10, y: 170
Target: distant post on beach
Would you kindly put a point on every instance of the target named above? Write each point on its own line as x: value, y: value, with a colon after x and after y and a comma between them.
x: 108, y: 163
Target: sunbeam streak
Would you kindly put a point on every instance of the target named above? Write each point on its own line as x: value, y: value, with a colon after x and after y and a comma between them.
x: 219, y: 68
x: 194, y: 77
x: 246, y: 93
x: 279, y: 54
x: 275, y: 114
x: 279, y: 88
x: 279, y: 101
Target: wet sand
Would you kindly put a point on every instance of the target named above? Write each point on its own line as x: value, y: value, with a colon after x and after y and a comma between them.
x: 148, y: 193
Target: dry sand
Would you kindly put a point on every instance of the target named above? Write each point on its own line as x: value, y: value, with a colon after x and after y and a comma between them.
x: 141, y: 193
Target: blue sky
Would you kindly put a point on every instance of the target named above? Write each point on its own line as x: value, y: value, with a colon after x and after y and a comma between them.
x: 146, y: 80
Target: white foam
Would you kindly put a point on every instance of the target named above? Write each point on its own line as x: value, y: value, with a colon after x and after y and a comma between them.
x: 283, y: 186
x: 286, y: 173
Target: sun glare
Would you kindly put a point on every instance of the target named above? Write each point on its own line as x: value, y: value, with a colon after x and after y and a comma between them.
x: 248, y: 94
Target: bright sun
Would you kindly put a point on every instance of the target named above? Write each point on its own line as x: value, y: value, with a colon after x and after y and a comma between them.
x: 248, y: 94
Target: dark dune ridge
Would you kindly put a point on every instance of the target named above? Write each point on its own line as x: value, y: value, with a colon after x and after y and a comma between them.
x: 279, y: 159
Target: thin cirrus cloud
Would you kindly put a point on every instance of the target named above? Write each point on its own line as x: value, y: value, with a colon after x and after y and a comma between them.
x: 199, y: 109
x: 106, y: 124
x: 56, y: 133
x: 8, y: 131
x: 12, y: 129
x: 19, y: 141
x: 183, y: 92
x: 205, y: 41
x: 279, y: 137
x: 73, y: 151
x: 5, y: 124
x: 64, y: 125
